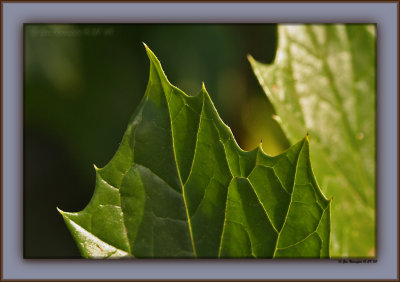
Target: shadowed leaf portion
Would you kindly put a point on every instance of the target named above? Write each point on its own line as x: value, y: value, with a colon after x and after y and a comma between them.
x: 180, y: 186
x: 323, y: 82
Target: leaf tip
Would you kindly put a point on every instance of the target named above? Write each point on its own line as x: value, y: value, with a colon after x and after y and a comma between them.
x: 260, y: 148
x: 277, y: 119
x: 95, y: 167
x: 60, y: 211
x: 306, y: 138
x: 203, y: 86
x: 155, y: 63
x: 150, y: 53
x: 250, y: 58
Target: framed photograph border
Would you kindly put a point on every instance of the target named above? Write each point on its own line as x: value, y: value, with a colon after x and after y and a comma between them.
x: 384, y: 14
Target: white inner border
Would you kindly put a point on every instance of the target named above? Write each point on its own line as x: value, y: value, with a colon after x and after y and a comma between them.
x: 15, y: 14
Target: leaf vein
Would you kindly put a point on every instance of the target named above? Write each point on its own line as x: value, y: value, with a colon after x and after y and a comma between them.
x: 264, y: 209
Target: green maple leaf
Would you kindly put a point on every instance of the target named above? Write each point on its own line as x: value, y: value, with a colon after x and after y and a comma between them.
x: 180, y: 186
x: 323, y: 82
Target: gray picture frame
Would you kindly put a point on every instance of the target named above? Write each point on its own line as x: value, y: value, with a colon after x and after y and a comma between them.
x: 384, y: 14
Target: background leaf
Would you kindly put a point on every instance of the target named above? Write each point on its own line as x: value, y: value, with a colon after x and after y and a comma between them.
x: 180, y: 186
x: 323, y: 82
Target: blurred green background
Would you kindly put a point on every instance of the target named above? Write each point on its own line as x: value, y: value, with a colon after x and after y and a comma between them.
x: 82, y: 82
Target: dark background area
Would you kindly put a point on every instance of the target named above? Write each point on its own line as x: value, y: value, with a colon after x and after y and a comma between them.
x: 82, y: 83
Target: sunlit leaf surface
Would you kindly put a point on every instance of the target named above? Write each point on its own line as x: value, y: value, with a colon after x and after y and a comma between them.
x: 179, y: 186
x: 323, y: 82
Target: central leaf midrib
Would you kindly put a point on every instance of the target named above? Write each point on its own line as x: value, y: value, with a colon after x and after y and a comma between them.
x: 196, y: 142
x: 178, y: 170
